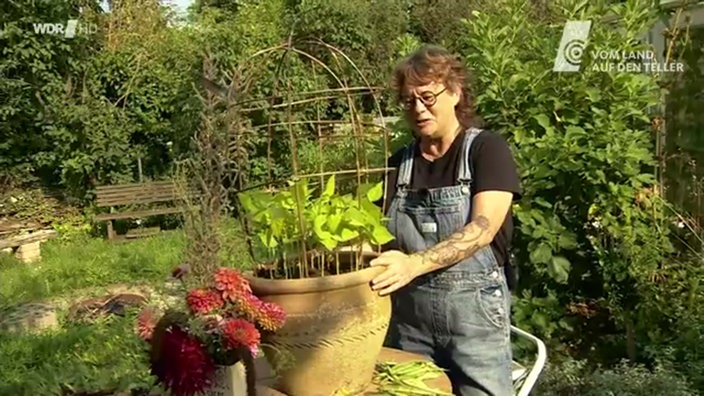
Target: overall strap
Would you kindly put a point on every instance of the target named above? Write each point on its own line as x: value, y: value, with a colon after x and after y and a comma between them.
x: 464, y: 176
x: 405, y: 170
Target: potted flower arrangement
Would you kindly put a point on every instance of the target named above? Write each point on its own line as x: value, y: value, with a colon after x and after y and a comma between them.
x: 312, y: 263
x: 206, y: 342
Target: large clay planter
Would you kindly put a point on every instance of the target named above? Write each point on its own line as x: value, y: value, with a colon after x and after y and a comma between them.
x: 334, y: 332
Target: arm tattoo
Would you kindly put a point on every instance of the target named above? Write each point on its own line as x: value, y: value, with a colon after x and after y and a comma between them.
x: 457, y: 247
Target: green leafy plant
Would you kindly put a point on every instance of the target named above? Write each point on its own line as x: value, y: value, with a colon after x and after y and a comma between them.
x: 294, y: 223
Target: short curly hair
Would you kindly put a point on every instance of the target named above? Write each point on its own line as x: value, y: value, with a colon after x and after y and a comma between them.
x: 432, y: 63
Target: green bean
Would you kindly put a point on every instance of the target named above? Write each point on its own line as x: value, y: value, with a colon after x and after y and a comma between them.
x: 407, y: 379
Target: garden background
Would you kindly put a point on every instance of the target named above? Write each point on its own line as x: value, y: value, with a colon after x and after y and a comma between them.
x: 608, y: 238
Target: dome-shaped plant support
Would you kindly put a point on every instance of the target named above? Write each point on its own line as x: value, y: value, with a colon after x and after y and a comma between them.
x: 318, y: 195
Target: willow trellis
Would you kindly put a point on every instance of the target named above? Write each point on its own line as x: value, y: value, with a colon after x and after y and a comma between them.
x: 302, y: 103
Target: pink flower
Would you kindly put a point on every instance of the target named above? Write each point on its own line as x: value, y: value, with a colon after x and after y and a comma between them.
x: 231, y: 283
x: 249, y: 306
x: 212, y: 322
x: 203, y: 301
x: 268, y: 315
x: 272, y: 316
x: 146, y: 322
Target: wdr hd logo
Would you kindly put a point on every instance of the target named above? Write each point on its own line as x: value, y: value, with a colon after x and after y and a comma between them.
x: 572, y: 45
x: 69, y: 30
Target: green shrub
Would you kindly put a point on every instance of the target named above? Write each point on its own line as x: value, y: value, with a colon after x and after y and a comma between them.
x: 586, y: 229
x: 576, y: 378
x: 593, y: 239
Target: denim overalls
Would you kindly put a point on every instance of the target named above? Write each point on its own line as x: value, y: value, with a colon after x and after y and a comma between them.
x: 457, y: 316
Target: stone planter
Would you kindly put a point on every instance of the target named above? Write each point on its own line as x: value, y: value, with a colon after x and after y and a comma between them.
x: 334, y: 332
x: 228, y: 381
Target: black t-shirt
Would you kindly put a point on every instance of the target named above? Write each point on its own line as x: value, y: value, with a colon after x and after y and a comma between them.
x: 493, y: 168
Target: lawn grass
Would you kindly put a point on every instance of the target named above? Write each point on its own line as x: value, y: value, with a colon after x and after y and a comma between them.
x: 104, y: 355
x: 89, y: 262
x: 107, y: 354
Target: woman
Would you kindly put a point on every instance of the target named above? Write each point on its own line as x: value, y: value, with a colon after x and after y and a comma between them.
x: 450, y: 211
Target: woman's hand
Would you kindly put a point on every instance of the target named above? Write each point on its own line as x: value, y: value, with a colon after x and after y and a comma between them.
x: 401, y: 269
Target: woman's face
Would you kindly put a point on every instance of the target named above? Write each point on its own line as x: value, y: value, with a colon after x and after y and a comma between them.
x: 430, y: 109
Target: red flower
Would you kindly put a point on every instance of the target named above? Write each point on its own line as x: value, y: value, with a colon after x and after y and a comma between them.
x: 240, y: 332
x: 183, y: 366
x: 146, y: 321
x: 203, y: 301
x: 231, y: 283
x: 272, y: 316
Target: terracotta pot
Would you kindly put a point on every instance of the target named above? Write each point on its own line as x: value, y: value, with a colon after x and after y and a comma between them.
x: 334, y: 332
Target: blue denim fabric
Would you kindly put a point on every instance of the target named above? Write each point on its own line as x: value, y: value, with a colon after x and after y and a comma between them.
x: 458, y: 316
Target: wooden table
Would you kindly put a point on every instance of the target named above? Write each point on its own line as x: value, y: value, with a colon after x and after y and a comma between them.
x: 265, y: 379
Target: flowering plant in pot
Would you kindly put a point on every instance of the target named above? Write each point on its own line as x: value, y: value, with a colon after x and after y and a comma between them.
x: 214, y: 328
x: 312, y: 262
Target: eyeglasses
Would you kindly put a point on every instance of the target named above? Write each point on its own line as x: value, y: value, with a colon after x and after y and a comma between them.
x: 428, y: 99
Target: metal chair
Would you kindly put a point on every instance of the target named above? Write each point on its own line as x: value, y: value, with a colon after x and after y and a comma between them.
x: 524, y: 379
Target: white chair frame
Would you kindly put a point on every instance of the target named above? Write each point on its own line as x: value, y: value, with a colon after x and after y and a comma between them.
x: 524, y: 379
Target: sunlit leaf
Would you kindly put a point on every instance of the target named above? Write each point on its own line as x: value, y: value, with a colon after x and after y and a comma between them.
x: 542, y: 254
x: 347, y: 234
x: 333, y: 221
x: 381, y: 235
x: 559, y: 269
x: 329, y: 187
x: 376, y: 192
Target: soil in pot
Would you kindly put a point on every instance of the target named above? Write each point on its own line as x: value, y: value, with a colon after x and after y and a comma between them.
x: 334, y: 331
x: 315, y: 263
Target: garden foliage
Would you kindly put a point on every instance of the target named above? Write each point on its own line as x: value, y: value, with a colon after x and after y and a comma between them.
x: 602, y: 276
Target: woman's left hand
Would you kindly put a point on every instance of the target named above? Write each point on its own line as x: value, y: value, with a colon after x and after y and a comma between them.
x: 401, y: 269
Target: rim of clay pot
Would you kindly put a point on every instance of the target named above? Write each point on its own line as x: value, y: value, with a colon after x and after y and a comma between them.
x: 314, y: 284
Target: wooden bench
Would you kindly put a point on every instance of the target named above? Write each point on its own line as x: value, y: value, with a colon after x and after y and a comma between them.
x: 135, y: 194
x: 27, y: 247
